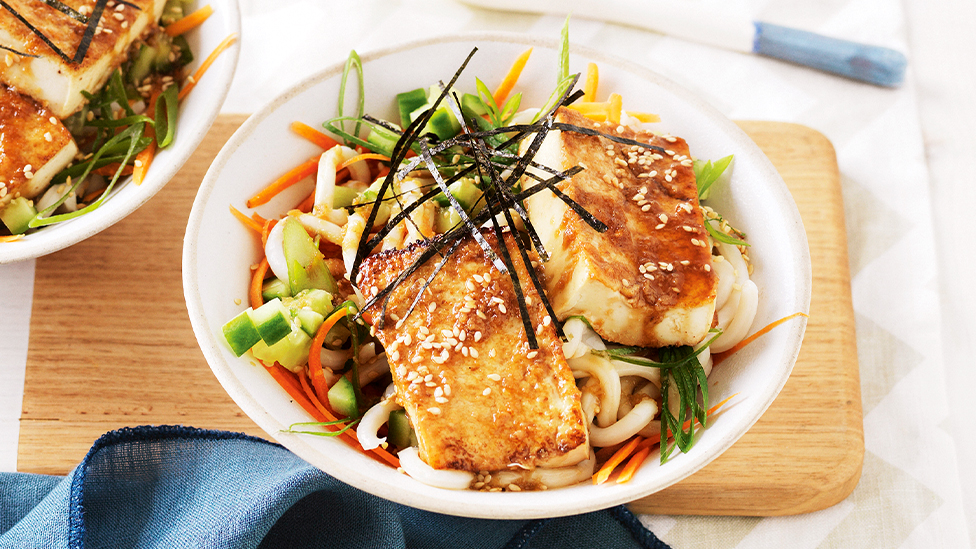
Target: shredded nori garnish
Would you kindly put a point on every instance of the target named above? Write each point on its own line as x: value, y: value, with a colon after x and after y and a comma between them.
x: 501, y: 194
x: 67, y: 10
x: 92, y: 24
x: 20, y: 53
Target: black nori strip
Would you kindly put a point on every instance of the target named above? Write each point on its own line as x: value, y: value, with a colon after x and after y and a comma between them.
x: 67, y: 10
x: 399, y: 153
x: 20, y: 53
x: 86, y: 39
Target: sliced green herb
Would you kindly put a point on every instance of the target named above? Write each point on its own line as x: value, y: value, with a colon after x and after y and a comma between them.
x: 353, y: 62
x: 291, y: 428
x: 707, y: 173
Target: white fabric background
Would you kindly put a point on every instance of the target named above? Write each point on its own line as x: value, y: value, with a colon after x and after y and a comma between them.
x: 904, y: 158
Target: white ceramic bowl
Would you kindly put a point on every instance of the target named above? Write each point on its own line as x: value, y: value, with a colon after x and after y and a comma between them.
x: 218, y: 250
x: 197, y: 113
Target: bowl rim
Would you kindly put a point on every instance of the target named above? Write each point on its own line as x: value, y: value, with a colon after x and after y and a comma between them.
x: 488, y: 505
x: 114, y: 210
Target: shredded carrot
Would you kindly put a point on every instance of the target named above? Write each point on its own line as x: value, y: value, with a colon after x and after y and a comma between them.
x: 293, y: 176
x: 505, y: 88
x: 603, y: 474
x: 718, y: 358
x: 592, y: 81
x: 92, y: 196
x: 317, y: 401
x: 268, y: 225
x: 189, y: 22
x: 191, y: 81
x: 247, y: 221
x: 635, y: 462
x: 257, y: 281
x: 110, y: 169
x: 313, y: 135
x: 258, y: 219
x: 306, y: 205
x: 614, y: 108
x: 361, y: 157
x: 644, y: 116
x: 315, y: 353
x: 145, y: 156
x: 11, y: 237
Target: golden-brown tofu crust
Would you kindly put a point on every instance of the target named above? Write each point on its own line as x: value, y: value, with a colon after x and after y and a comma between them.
x: 655, y: 253
x: 107, y: 50
x: 478, y: 397
x: 30, y: 137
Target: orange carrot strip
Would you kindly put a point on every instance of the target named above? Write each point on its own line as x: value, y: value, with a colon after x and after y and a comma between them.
x: 603, y: 474
x: 247, y: 221
x: 644, y: 116
x: 313, y: 135
x: 11, y: 237
x: 315, y: 353
x: 592, y: 81
x: 306, y: 205
x: 92, y: 196
x: 189, y: 22
x: 191, y: 81
x: 717, y: 358
x: 614, y: 108
x: 145, y: 156
x: 317, y: 402
x: 257, y: 281
x: 110, y: 169
x: 503, y: 89
x: 293, y: 176
x: 258, y: 219
x: 361, y: 157
x: 635, y: 462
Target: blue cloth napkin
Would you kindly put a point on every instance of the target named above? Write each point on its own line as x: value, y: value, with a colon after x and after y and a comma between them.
x: 173, y: 486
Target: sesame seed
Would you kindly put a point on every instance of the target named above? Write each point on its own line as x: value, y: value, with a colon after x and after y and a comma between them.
x: 708, y: 268
x: 47, y: 137
x: 120, y: 7
x: 118, y: 16
x: 532, y: 354
x: 514, y: 488
x: 424, y: 330
x: 491, y: 353
x: 502, y: 309
x: 412, y: 375
x: 659, y: 226
x: 431, y: 307
x: 469, y: 285
x: 649, y: 277
x: 435, y: 410
x: 440, y: 400
x: 481, y: 315
x: 494, y: 377
x: 546, y: 320
x: 669, y: 152
x: 663, y: 218
x: 464, y: 351
x: 52, y: 120
x: 416, y: 359
x: 447, y: 390
x: 478, y: 278
x: 487, y: 391
x: 395, y: 355
x: 645, y: 207
x: 473, y: 351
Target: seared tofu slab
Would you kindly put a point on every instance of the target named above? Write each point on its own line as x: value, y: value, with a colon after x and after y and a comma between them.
x: 647, y: 280
x: 478, y: 397
x: 48, y: 78
x: 34, y: 146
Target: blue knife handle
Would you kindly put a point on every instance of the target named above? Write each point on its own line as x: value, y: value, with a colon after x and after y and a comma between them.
x: 872, y: 64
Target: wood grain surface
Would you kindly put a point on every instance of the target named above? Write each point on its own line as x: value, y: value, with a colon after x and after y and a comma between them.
x: 111, y: 346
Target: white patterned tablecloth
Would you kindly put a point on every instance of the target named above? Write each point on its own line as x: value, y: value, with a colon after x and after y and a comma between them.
x: 904, y: 157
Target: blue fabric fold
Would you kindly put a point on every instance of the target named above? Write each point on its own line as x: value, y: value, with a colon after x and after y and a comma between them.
x: 173, y: 486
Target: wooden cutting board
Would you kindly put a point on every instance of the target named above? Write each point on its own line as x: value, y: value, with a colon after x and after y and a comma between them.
x: 111, y: 346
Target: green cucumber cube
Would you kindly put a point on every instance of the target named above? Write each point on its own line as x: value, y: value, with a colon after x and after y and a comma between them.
x: 408, y: 102
x: 399, y: 429
x: 17, y: 215
x: 240, y: 333
x: 291, y: 351
x: 342, y: 398
x: 272, y: 320
x: 310, y: 321
x: 275, y: 288
x: 306, y: 264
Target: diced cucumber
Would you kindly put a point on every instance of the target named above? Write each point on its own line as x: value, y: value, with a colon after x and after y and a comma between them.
x: 442, y: 123
x: 464, y: 190
x: 310, y: 321
x: 399, y: 429
x: 472, y: 104
x: 186, y: 56
x: 447, y: 219
x: 142, y: 65
x: 17, y: 214
x: 382, y: 140
x: 275, y: 288
x: 342, y: 398
x: 408, y: 102
x: 172, y: 12
x: 240, y: 333
x: 343, y: 197
x: 164, y: 46
x: 306, y: 264
x: 291, y: 351
x: 316, y: 300
x: 272, y: 320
